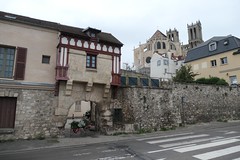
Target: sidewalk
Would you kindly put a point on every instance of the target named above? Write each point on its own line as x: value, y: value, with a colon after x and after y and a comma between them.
x: 24, y: 145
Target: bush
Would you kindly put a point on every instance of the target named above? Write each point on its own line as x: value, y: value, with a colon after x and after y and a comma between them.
x: 222, y: 82
x: 211, y: 80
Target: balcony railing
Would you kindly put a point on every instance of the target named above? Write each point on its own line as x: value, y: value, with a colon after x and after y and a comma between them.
x: 116, y: 79
x: 62, y: 73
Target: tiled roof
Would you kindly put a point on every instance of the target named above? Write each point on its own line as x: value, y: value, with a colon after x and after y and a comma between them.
x: 202, y: 50
x: 103, y: 37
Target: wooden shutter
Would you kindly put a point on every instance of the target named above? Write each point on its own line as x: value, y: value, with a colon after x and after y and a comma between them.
x: 20, y: 63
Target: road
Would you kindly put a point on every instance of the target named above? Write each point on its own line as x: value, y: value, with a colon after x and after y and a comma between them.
x: 220, y: 143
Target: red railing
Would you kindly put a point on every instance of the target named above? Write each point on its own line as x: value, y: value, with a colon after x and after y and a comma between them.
x: 61, y: 73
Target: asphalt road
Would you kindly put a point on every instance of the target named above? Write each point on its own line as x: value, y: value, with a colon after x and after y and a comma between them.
x: 221, y: 143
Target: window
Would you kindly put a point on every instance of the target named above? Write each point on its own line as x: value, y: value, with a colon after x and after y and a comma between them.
x: 165, y: 70
x: 158, y: 45
x: 233, y: 79
x: 45, y: 59
x: 165, y: 62
x: 164, y: 45
x: 7, y: 61
x: 7, y: 56
x: 91, y: 61
x: 172, y: 47
x: 213, y: 63
x: 212, y: 46
x: 159, y: 63
x: 223, y: 60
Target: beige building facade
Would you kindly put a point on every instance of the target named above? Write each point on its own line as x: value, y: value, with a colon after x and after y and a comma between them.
x: 217, y: 57
x: 51, y: 74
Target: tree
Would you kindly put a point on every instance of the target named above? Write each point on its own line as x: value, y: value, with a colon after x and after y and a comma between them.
x: 184, y: 74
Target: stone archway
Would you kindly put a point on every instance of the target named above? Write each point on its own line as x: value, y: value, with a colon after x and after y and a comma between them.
x: 82, y: 110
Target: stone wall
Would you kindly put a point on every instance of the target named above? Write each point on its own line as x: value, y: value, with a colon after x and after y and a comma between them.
x: 34, y: 113
x: 175, y: 104
x: 204, y: 103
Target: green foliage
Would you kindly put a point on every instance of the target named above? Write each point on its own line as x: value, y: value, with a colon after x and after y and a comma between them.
x: 211, y: 80
x: 221, y: 82
x: 184, y: 74
x: 74, y: 125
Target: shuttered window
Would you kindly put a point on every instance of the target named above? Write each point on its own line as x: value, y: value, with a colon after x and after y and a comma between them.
x: 20, y: 63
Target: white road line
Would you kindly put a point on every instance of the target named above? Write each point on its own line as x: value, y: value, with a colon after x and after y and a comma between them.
x: 167, y: 149
x: 218, y: 153
x: 207, y: 145
x: 173, y: 135
x: 177, y: 138
x: 82, y: 154
x: 231, y: 132
x: 161, y: 159
x: 226, y: 139
x: 236, y: 158
x: 188, y: 142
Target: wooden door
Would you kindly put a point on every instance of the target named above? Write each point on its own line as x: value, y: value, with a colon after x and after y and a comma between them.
x: 7, y: 112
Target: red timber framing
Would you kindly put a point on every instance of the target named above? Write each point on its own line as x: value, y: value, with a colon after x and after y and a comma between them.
x: 91, y: 45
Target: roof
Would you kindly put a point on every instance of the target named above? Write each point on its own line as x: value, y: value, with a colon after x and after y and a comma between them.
x: 157, y: 34
x: 102, y: 36
x: 202, y: 50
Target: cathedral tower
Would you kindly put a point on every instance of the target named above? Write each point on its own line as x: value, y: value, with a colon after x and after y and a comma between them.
x: 194, y: 34
x: 173, y: 35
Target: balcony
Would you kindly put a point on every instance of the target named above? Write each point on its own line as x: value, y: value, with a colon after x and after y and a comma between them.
x: 116, y: 79
x: 62, y: 73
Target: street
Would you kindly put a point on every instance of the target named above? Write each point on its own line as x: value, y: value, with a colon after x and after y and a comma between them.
x: 221, y: 143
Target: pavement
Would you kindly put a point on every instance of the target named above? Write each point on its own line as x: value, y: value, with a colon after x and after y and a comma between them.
x: 26, y: 145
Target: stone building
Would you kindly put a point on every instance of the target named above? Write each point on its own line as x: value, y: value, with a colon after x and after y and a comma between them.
x: 158, y: 43
x: 162, y: 44
x: 51, y: 72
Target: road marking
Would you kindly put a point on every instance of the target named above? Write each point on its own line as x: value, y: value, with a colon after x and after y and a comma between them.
x: 236, y: 158
x: 178, y: 138
x: 207, y: 145
x: 173, y: 135
x: 231, y: 132
x: 167, y: 149
x: 109, y: 150
x: 188, y: 142
x: 116, y: 157
x: 161, y: 159
x: 226, y: 139
x: 82, y: 154
x: 218, y: 153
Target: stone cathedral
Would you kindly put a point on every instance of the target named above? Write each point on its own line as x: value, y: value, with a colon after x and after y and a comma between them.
x: 162, y: 43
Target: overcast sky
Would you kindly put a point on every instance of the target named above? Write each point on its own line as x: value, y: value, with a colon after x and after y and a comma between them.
x: 135, y: 21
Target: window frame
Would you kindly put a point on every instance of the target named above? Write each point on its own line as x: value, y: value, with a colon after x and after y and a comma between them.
x: 46, y: 59
x: 224, y: 60
x: 212, y: 46
x: 213, y: 63
x: 92, y: 58
x: 6, y: 62
x: 165, y: 62
x: 158, y: 62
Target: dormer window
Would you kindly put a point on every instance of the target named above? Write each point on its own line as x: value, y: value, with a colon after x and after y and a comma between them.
x: 212, y: 46
x: 225, y: 42
x: 93, y: 35
x: 91, y: 32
